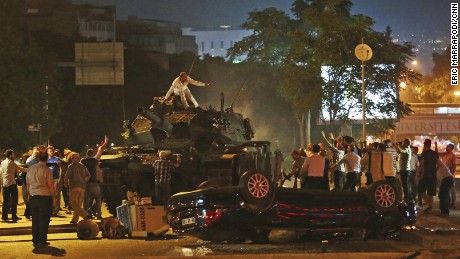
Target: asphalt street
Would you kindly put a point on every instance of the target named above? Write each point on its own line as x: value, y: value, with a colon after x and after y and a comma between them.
x: 431, y: 237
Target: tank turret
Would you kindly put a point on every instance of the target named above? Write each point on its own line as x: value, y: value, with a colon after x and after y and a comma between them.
x: 163, y: 126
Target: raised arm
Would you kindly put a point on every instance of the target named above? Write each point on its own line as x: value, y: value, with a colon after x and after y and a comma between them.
x: 329, y: 145
x: 101, y: 148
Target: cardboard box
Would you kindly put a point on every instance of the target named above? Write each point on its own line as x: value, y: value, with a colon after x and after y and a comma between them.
x: 151, y: 219
x: 381, y: 165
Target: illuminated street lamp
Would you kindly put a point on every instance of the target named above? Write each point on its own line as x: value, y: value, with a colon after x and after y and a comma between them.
x: 414, y: 62
x: 457, y: 93
x: 364, y: 53
x: 402, y: 84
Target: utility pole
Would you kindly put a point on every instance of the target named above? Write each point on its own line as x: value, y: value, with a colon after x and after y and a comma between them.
x: 364, y: 53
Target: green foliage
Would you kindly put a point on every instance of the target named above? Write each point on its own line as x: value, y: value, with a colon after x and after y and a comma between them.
x: 437, y: 88
x: 323, y: 33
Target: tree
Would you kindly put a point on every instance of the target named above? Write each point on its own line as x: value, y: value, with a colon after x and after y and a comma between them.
x: 322, y: 36
x: 438, y: 88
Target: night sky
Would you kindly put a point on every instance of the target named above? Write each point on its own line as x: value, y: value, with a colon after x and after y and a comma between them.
x: 403, y: 16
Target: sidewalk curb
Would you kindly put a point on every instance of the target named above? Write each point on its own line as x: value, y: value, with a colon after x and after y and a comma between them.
x: 28, y: 230
x: 65, y: 228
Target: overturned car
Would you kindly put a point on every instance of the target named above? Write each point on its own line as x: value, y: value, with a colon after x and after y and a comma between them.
x: 257, y: 207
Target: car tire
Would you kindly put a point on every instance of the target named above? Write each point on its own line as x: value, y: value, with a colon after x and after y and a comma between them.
x: 383, y: 196
x: 257, y: 191
x: 207, y: 184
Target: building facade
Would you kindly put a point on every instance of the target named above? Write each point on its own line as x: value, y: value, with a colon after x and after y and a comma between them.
x: 216, y: 43
x: 154, y: 35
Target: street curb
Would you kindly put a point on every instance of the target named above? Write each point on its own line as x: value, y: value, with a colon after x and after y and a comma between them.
x: 28, y: 230
x: 53, y: 229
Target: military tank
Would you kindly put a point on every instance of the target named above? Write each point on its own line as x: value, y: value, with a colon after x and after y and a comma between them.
x: 214, y: 145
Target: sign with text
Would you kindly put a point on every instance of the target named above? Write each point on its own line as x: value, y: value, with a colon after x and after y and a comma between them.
x: 428, y: 126
x: 99, y: 63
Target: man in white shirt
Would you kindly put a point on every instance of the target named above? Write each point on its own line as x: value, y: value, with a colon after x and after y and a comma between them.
x: 8, y: 171
x: 40, y: 186
x: 413, y: 169
x: 313, y: 170
x: 352, y: 166
x: 180, y: 87
x: 405, y: 154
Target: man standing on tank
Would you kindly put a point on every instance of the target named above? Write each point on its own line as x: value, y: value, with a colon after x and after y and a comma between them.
x: 42, y: 196
x: 180, y: 87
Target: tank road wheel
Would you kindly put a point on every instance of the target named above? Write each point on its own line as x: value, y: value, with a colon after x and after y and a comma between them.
x: 257, y: 191
x: 383, y: 196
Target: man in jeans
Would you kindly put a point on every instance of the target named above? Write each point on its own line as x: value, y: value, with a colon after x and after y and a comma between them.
x: 40, y: 187
x: 76, y: 177
x: 56, y: 169
x: 8, y: 170
x: 162, y: 172
x: 450, y: 160
x: 93, y: 191
x: 352, y: 167
x: 405, y: 154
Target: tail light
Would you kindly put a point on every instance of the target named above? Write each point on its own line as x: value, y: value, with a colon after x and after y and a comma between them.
x: 211, y: 216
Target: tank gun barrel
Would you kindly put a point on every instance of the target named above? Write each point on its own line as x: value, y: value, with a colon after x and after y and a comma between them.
x: 157, y: 121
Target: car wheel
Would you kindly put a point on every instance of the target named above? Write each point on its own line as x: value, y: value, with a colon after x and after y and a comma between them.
x: 383, y: 196
x: 207, y: 184
x: 257, y: 190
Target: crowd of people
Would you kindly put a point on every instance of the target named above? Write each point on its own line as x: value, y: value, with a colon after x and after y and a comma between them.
x: 46, y: 177
x: 341, y: 165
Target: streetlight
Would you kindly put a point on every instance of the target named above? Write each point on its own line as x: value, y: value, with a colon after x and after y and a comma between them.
x: 364, y: 53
